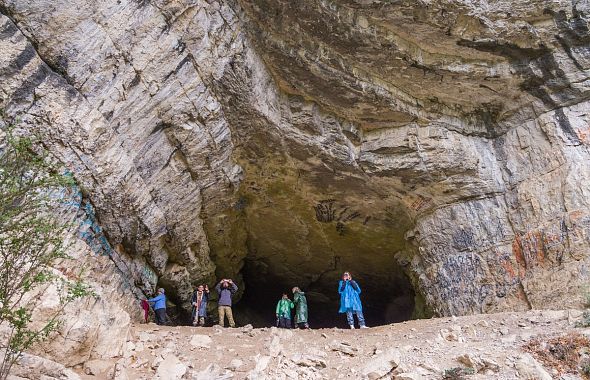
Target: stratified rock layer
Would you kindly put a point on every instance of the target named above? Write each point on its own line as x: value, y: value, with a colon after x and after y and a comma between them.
x: 437, y: 149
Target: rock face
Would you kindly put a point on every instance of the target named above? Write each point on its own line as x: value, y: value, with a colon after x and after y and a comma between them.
x: 437, y: 149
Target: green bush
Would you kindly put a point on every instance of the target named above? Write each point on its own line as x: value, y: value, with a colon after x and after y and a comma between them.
x: 31, y: 241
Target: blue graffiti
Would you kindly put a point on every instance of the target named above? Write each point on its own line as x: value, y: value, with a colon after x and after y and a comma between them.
x: 91, y: 232
x: 72, y: 199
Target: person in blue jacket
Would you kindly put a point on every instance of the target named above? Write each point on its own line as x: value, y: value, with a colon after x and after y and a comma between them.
x: 159, y: 307
x: 350, y: 301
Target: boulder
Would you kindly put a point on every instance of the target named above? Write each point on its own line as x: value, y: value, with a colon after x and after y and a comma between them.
x: 201, y: 341
x: 170, y: 369
x: 35, y: 367
x: 275, y: 347
x: 97, y: 367
x: 471, y: 361
x: 530, y: 369
x: 261, y: 363
x: 212, y: 372
x: 119, y: 372
x: 307, y: 360
x: 381, y: 365
x: 344, y: 347
x: 235, y: 364
x: 409, y: 376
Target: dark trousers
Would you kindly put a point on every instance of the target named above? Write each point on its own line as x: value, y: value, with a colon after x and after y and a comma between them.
x: 285, y: 323
x: 160, y: 316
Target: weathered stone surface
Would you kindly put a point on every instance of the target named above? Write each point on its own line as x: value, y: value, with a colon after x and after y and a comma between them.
x: 200, y: 341
x: 97, y: 367
x: 408, y: 376
x: 35, y: 367
x: 528, y: 368
x: 345, y: 348
x: 438, y: 149
x: 381, y: 365
x: 275, y: 347
x: 170, y: 368
x: 307, y: 360
x: 235, y: 364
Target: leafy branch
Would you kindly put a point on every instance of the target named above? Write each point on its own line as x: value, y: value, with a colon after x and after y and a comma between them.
x: 31, y: 243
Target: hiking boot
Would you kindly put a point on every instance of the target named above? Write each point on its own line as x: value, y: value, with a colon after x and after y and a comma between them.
x: 352, y: 327
x: 364, y: 327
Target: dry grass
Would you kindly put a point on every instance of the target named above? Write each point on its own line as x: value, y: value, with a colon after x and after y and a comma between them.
x: 566, y: 354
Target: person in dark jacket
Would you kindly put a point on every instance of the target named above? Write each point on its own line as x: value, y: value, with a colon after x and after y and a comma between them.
x: 159, y: 302
x: 226, y: 289
x: 300, y: 308
x: 350, y: 301
x: 199, y: 302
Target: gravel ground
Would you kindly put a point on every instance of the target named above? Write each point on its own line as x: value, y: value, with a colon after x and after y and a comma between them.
x: 484, y: 346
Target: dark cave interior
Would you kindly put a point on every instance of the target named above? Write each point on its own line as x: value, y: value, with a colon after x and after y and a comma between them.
x: 385, y: 300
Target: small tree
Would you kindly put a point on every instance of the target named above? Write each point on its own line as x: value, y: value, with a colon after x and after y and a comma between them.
x: 31, y: 242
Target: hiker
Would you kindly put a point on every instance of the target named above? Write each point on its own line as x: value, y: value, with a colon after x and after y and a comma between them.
x: 350, y: 301
x: 226, y: 289
x: 283, y: 311
x: 146, y: 310
x: 159, y: 302
x: 199, y: 302
x: 300, y: 308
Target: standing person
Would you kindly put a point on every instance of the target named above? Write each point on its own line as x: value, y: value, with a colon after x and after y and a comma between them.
x: 146, y: 310
x: 300, y: 308
x: 159, y: 302
x: 226, y: 289
x: 199, y: 302
x: 350, y: 301
x: 283, y: 311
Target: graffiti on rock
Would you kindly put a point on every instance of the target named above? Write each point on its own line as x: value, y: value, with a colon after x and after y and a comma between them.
x: 421, y: 202
x: 89, y: 230
x: 459, y: 282
x: 324, y: 210
x: 327, y: 211
x: 463, y: 239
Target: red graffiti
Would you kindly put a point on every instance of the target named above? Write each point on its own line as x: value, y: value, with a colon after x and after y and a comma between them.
x: 420, y: 203
x: 584, y: 135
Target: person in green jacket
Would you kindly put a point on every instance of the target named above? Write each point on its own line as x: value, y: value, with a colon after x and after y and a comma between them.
x: 300, y: 308
x: 283, y: 311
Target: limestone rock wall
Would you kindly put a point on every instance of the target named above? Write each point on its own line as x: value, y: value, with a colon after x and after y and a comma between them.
x: 472, y: 115
x: 438, y: 146
x: 143, y: 134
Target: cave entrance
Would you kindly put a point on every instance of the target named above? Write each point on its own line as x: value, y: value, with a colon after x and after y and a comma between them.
x: 387, y: 296
x: 306, y: 227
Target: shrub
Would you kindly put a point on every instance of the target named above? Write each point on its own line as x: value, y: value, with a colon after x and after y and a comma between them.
x: 585, y: 368
x: 562, y: 353
x: 457, y: 373
x: 585, y: 322
x: 31, y: 242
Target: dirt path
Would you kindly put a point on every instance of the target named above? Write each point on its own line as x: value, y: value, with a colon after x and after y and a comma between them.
x: 485, y: 346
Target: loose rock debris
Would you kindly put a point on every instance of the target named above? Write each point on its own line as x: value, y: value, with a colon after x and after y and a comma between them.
x: 497, y: 346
